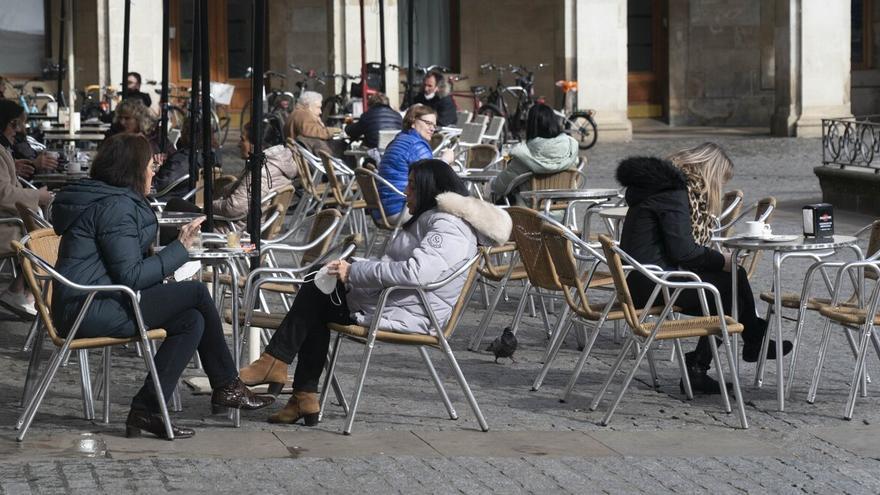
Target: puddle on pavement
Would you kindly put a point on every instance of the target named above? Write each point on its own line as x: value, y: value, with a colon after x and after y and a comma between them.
x: 85, y: 445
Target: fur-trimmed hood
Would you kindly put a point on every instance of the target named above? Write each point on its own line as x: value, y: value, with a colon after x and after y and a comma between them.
x: 644, y: 177
x: 492, y: 223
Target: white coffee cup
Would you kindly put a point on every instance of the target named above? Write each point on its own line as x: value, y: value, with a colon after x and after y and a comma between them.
x: 74, y: 167
x: 757, y: 229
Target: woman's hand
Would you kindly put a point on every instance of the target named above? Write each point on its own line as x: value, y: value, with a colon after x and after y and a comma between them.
x: 340, y: 269
x: 24, y: 168
x: 189, y: 232
x: 447, y: 156
x: 46, y: 162
x: 45, y: 197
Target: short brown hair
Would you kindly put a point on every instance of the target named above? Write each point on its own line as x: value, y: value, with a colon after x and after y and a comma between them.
x: 377, y: 99
x: 122, y: 161
x: 416, y: 111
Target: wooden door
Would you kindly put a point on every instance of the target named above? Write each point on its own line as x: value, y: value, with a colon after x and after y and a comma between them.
x: 647, y: 48
x: 229, y: 36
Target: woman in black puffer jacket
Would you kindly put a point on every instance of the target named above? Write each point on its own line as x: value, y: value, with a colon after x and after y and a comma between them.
x: 107, y: 230
x: 658, y: 231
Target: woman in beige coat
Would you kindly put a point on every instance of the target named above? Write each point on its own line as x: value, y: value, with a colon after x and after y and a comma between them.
x: 12, y: 118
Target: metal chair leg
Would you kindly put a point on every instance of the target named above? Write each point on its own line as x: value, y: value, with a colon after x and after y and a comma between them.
x: 817, y: 372
x: 858, y: 370
x: 655, y: 381
x: 86, y: 384
x: 614, y: 369
x: 765, y: 342
x: 626, y: 381
x: 32, y: 334
x: 679, y: 354
x: 737, y: 389
x: 33, y: 368
x: 582, y: 361
x: 553, y: 351
x: 106, y: 384
x: 27, y: 417
x: 462, y: 382
x: 359, y: 387
x: 157, y: 387
x: 720, y: 371
x: 438, y: 383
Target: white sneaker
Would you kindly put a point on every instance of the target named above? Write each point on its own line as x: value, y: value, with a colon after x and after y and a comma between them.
x: 19, y: 302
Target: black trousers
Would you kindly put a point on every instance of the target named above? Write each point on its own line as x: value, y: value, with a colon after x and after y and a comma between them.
x: 689, y: 302
x: 187, y: 313
x: 303, y: 334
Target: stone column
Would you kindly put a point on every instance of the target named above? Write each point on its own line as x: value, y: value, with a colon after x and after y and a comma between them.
x: 812, y: 65
x: 602, y: 65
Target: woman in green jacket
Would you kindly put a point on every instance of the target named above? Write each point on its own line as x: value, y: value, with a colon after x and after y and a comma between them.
x: 547, y: 150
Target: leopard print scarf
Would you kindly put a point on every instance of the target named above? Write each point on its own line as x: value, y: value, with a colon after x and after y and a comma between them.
x: 698, y: 199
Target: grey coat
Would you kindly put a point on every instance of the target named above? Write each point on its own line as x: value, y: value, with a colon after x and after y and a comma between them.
x: 430, y: 249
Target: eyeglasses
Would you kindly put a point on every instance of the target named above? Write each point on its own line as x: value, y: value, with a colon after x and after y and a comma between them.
x: 431, y: 125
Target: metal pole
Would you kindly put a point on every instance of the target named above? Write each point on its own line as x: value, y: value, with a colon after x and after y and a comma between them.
x: 382, y: 43
x: 71, y: 87
x: 126, y: 28
x: 364, y: 86
x: 207, y: 148
x: 59, y: 95
x: 163, y: 101
x: 194, y: 100
x: 410, y: 46
x: 257, y: 157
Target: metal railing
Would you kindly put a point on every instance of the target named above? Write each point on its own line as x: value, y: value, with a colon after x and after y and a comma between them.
x: 851, y: 142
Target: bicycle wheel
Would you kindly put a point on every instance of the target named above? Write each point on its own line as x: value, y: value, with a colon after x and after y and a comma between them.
x: 244, y: 117
x: 220, y: 119
x: 582, y: 127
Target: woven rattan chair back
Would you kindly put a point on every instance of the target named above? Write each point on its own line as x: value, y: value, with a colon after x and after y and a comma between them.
x: 303, y: 171
x: 44, y: 243
x: 280, y: 203
x: 370, y: 193
x: 564, y: 269
x: 481, y: 156
x: 527, y: 234
x: 323, y: 221
x: 564, y: 179
x: 336, y: 187
x: 728, y: 199
x: 615, y: 266
x: 32, y: 220
x: 461, y: 303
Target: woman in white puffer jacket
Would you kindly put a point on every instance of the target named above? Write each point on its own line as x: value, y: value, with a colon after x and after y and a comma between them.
x: 443, y: 234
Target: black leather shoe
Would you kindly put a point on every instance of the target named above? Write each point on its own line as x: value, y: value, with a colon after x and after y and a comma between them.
x: 138, y: 421
x: 751, y: 353
x: 702, y: 383
x: 237, y: 396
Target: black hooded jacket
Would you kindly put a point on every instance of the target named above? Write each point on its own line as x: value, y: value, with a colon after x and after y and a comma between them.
x: 106, y: 233
x: 657, y: 229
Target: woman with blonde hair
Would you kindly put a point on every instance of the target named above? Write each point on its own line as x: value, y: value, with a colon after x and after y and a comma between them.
x: 707, y: 168
x: 670, y: 203
x: 131, y: 116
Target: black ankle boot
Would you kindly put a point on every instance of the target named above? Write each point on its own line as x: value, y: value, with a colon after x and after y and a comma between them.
x: 701, y: 382
x: 139, y: 420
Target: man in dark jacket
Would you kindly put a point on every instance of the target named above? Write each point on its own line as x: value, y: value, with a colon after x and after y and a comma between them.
x: 434, y: 95
x: 657, y: 231
x: 378, y: 117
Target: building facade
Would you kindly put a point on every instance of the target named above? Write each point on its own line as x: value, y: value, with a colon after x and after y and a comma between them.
x: 780, y: 64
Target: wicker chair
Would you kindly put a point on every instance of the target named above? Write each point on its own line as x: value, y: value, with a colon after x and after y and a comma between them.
x: 731, y: 205
x: 644, y: 333
x: 369, y: 336
x: 33, y: 219
x: 36, y: 268
x: 367, y: 183
x: 863, y: 318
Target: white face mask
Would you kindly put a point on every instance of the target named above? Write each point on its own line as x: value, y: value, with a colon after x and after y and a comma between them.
x: 430, y: 96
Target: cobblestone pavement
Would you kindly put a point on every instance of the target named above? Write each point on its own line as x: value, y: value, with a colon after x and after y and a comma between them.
x: 403, y: 442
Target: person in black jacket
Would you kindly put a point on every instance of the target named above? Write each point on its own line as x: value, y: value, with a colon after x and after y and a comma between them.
x: 108, y: 230
x: 658, y: 231
x: 133, y: 89
x: 378, y: 117
x: 434, y: 95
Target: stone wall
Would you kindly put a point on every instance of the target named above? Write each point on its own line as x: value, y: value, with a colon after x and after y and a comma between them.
x: 721, y: 62
x: 298, y: 34
x: 866, y: 83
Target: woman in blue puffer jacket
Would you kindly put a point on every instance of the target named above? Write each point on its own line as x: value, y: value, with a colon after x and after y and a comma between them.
x: 411, y: 145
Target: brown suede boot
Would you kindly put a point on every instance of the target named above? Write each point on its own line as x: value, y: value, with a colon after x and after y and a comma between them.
x: 267, y: 369
x: 301, y: 405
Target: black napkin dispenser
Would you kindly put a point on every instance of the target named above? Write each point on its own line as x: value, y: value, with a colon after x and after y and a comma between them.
x: 819, y: 221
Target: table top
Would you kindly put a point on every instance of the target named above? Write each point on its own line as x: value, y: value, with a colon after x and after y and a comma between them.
x: 355, y: 152
x: 570, y: 194
x: 78, y: 136
x: 799, y: 244
x: 221, y: 254
x: 69, y: 177
x: 478, y: 175
x: 176, y: 217
x: 618, y: 212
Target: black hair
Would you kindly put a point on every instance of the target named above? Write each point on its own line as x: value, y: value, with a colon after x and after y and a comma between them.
x: 122, y: 161
x: 136, y: 75
x: 542, y: 122
x: 431, y: 178
x: 9, y: 111
x: 273, y: 130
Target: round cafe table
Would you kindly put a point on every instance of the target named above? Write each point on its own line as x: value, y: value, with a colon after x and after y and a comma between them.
x: 549, y: 196
x: 613, y: 218
x: 477, y: 178
x: 799, y: 247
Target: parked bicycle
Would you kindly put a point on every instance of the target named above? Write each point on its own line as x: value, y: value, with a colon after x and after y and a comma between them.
x: 278, y: 100
x: 98, y: 102
x: 579, y: 124
x: 336, y: 105
x: 33, y: 101
x: 178, y: 111
x: 521, y: 97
